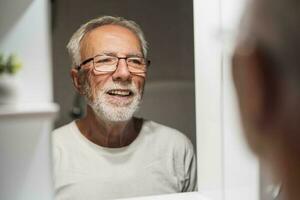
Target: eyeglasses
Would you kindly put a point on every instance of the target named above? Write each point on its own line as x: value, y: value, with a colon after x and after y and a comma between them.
x: 108, y: 63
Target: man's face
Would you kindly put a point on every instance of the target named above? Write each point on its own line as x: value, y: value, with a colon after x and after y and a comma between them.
x: 113, y: 96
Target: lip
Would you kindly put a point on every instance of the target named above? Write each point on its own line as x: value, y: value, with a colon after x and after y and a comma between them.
x: 120, y: 97
x: 120, y: 92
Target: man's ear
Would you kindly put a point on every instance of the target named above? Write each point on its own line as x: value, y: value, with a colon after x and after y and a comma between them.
x: 256, y: 85
x: 77, y: 80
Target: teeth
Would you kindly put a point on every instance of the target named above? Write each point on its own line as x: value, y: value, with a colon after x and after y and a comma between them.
x: 119, y: 92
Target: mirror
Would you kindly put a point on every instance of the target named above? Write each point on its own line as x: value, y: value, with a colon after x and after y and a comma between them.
x: 169, y: 96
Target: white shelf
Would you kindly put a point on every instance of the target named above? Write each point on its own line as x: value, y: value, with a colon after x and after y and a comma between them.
x: 29, y: 110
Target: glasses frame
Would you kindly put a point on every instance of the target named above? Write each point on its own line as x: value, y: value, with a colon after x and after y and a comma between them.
x: 78, y: 67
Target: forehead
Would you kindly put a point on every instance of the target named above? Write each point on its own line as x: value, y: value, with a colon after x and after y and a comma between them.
x: 110, y: 38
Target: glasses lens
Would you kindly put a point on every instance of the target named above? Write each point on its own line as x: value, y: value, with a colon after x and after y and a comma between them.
x: 136, y: 64
x: 105, y: 63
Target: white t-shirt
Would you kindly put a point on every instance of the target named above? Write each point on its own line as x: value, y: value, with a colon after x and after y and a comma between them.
x: 160, y: 160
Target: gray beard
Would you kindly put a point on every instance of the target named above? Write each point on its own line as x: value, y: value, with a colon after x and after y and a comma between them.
x: 111, y: 112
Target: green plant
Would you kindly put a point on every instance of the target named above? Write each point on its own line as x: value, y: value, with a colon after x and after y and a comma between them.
x: 10, y: 65
x: 2, y: 64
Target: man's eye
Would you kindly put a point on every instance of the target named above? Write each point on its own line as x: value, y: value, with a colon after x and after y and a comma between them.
x: 136, y: 61
x: 105, y: 60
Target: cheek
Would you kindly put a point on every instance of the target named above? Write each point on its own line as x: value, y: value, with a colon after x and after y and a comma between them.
x: 96, y: 83
x: 139, y: 82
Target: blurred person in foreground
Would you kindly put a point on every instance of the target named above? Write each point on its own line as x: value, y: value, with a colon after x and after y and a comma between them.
x: 266, y: 73
x: 109, y: 153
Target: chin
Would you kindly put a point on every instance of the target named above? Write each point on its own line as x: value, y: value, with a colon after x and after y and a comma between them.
x: 115, y: 113
x: 115, y: 102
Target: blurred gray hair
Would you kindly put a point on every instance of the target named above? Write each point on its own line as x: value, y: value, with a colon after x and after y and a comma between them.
x: 73, y: 45
x: 274, y: 26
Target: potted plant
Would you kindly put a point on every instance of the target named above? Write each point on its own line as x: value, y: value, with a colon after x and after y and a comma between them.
x: 9, y: 66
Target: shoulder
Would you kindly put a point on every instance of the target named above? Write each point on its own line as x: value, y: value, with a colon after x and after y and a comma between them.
x: 63, y: 143
x: 163, y: 131
x: 176, y: 150
x: 162, y: 134
x: 63, y: 133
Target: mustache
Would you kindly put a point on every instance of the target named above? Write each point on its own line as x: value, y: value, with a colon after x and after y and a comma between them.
x: 120, y: 86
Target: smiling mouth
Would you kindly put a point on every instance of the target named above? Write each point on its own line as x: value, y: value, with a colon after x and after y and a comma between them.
x: 120, y: 93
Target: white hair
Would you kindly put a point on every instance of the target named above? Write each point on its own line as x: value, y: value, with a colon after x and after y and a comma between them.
x: 73, y: 45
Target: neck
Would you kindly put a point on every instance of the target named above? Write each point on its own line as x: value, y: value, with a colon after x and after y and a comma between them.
x: 108, y: 134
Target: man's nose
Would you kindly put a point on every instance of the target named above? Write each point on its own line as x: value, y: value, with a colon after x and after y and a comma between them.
x: 122, y: 73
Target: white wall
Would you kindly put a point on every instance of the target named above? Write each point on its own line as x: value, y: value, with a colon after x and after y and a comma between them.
x: 25, y: 140
x: 25, y: 30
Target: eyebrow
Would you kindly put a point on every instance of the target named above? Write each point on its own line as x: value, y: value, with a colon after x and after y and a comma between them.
x: 127, y: 55
x: 86, y: 61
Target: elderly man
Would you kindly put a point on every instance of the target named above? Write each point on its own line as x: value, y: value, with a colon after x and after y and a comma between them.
x: 109, y: 153
x: 266, y: 72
